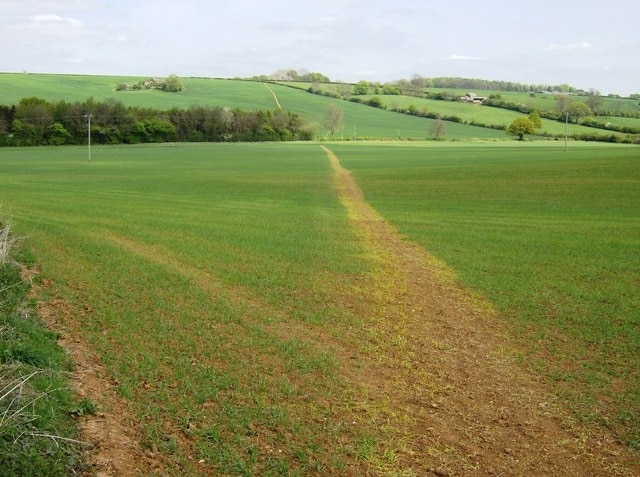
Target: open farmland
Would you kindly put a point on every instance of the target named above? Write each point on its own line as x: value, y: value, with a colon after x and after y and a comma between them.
x: 358, y: 120
x: 474, y: 113
x: 436, y: 102
x: 552, y: 240
x: 544, y: 101
x: 255, y: 325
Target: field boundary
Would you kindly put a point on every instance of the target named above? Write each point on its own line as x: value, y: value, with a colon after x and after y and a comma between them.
x: 111, y: 431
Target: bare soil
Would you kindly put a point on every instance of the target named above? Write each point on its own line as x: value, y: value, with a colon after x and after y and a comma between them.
x: 112, y: 431
x: 449, y: 376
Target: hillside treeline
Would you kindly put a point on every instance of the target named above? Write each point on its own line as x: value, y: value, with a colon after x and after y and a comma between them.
x: 417, y: 83
x: 492, y: 85
x: 35, y: 121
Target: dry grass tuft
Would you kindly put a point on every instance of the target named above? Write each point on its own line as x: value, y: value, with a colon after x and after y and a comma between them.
x: 7, y: 241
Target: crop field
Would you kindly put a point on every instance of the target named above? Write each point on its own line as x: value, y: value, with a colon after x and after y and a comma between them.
x: 552, y: 240
x: 232, y: 298
x: 359, y: 120
x: 200, y: 91
x: 205, y: 268
x: 546, y: 101
x: 491, y: 116
x: 623, y: 122
x: 478, y: 113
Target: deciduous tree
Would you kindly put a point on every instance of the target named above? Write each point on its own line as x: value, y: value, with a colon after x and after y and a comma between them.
x: 579, y: 110
x: 333, y: 119
x: 173, y: 84
x: 534, y: 117
x: 594, y: 101
x: 416, y: 85
x: 35, y: 114
x: 521, y: 126
x: 390, y: 88
x: 562, y: 103
x: 437, y: 129
x: 361, y: 87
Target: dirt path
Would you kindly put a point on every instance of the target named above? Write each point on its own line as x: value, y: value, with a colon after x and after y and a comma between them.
x: 112, y: 431
x: 274, y: 95
x: 448, y: 376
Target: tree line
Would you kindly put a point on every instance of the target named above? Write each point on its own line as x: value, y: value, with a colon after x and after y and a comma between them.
x: 417, y: 84
x: 35, y: 121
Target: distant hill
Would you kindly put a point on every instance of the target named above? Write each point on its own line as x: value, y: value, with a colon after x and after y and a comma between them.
x: 359, y: 120
x: 407, y: 116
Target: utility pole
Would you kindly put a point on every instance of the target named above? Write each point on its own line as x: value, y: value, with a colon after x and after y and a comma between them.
x: 88, y: 116
x: 566, y: 126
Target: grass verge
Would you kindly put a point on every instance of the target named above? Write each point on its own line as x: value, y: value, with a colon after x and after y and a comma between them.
x: 37, y: 408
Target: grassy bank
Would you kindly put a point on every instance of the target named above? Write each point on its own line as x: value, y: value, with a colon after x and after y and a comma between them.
x: 38, y: 434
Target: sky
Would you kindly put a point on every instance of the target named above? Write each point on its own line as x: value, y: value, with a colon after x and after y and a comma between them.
x: 586, y: 43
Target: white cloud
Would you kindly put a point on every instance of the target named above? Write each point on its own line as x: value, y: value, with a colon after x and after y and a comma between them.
x: 55, y: 20
x: 466, y: 58
x: 117, y: 39
x: 54, y: 26
x: 576, y: 46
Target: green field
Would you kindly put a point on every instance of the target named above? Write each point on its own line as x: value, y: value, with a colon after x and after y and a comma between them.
x: 551, y: 238
x: 359, y: 120
x: 491, y: 116
x: 477, y: 113
x: 206, y: 269
x: 621, y: 122
x: 208, y: 278
x: 544, y: 101
x: 199, y: 91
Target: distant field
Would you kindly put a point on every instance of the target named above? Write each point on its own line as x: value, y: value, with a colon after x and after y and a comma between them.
x: 551, y: 238
x: 541, y: 101
x: 359, y: 120
x: 364, y: 121
x: 489, y: 116
x: 546, y: 101
x: 477, y: 113
x: 199, y: 91
x: 622, y: 122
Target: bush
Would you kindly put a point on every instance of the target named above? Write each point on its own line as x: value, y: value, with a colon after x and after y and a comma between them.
x: 376, y: 102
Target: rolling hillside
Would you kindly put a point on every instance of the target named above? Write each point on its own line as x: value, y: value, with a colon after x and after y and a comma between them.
x: 619, y: 115
x: 359, y: 120
x: 472, y: 121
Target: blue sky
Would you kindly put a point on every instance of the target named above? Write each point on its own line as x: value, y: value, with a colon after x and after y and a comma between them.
x: 588, y: 44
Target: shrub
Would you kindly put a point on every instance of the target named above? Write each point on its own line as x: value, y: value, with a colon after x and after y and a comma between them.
x: 375, y: 101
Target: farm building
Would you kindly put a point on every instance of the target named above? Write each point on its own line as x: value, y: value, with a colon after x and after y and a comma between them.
x: 472, y: 98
